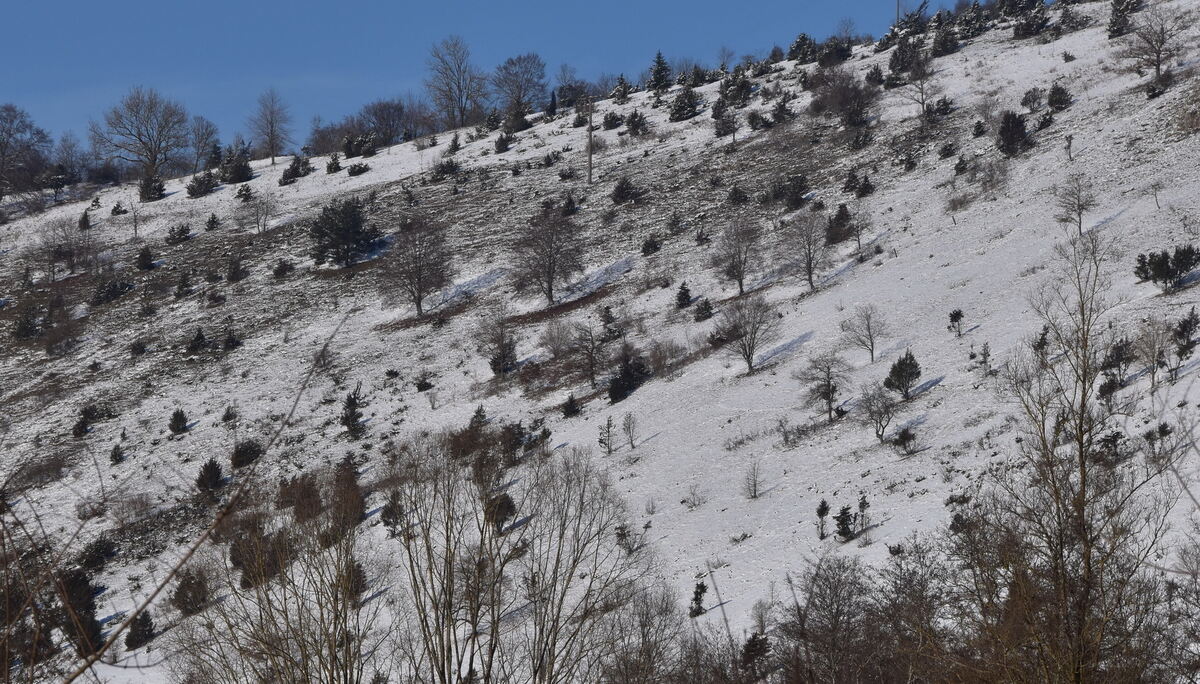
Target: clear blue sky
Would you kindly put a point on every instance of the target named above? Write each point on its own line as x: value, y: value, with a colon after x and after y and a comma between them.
x: 64, y: 62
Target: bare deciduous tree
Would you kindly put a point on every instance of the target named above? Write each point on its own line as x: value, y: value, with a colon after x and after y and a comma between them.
x: 307, y: 620
x: 257, y: 213
x: 737, y: 252
x: 420, y: 263
x: 1151, y: 346
x: 1074, y: 529
x: 865, y: 328
x: 270, y: 125
x: 520, y: 83
x: 202, y: 137
x: 21, y: 143
x: 806, y: 239
x: 746, y: 325
x: 456, y: 87
x: 144, y: 128
x: 547, y: 252
x: 824, y: 376
x: 1074, y: 199
x: 922, y: 89
x: 1157, y: 37
x: 878, y: 408
x: 389, y: 120
x: 588, y: 348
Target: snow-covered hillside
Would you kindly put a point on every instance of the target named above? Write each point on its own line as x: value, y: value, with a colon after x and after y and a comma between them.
x: 703, y: 422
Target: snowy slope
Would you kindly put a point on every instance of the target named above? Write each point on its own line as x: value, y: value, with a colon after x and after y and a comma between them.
x: 702, y: 426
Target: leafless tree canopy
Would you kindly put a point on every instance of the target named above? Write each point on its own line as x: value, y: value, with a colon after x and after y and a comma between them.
x: 922, y: 89
x: 419, y: 263
x: 546, y: 253
x: 1074, y: 199
x: 738, y: 252
x: 256, y: 214
x: 21, y: 144
x: 202, y: 137
x: 865, y: 328
x: 824, y: 377
x: 876, y: 408
x: 271, y: 123
x: 456, y: 87
x: 806, y: 241
x: 520, y: 83
x: 144, y: 128
x: 747, y: 325
x: 1157, y: 37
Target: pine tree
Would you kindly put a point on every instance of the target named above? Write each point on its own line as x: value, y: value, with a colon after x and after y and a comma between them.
x: 210, y: 476
x: 141, y: 631
x: 903, y: 375
x: 861, y: 518
x: 552, y: 108
x: 686, y: 105
x: 145, y: 258
x: 85, y: 222
x: 844, y: 524
x: 570, y: 407
x: 341, y: 234
x: 334, y: 164
x: 212, y: 223
x: 1012, y: 138
x: 199, y: 342
x: 756, y: 653
x: 803, y: 49
x: 191, y: 593
x: 1119, y: 21
x: 151, y: 189
x: 822, y: 512
x: 683, y: 297
x: 178, y: 423
x: 620, y: 92
x: 352, y: 414
x: 235, y: 165
x: 696, y: 609
x: 945, y: 41
x: 608, y: 436
x: 660, y: 74
x: 865, y: 187
x: 704, y: 310
x: 117, y: 455
x: 956, y: 319
x: 1031, y: 21
x: 202, y: 184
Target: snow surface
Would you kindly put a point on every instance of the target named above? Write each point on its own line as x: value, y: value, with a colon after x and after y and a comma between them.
x: 704, y: 424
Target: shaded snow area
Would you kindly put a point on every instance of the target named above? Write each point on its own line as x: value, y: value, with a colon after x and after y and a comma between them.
x: 703, y: 422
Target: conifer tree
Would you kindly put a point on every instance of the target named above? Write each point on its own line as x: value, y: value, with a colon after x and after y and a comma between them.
x: 352, y: 415
x: 683, y: 297
x: 145, y: 258
x: 822, y: 513
x: 178, y: 423
x: 903, y: 375
x: 210, y: 476
x: 686, y: 105
x: 660, y: 74
x: 620, y: 92
x: 844, y: 524
x: 1013, y: 138
x: 696, y: 608
x: 803, y: 49
x: 1119, y: 18
x: 341, y: 234
x: 141, y: 631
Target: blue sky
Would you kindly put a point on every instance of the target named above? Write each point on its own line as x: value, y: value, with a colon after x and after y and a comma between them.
x: 66, y: 62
